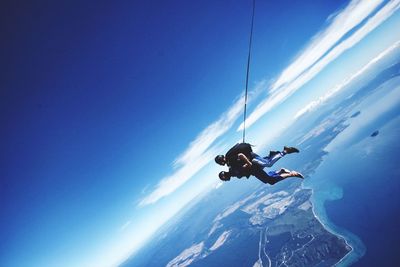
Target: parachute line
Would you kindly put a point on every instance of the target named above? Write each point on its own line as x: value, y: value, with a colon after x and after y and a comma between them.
x: 247, y: 72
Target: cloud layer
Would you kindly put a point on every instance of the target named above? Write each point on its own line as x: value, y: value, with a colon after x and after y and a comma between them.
x: 307, y: 65
x: 196, y: 156
x: 314, y: 104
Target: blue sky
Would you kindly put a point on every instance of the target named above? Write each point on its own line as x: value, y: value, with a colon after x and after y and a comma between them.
x: 112, y: 113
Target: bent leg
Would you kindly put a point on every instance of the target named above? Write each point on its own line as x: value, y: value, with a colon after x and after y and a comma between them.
x: 267, y: 161
x: 265, y: 178
x: 285, y: 173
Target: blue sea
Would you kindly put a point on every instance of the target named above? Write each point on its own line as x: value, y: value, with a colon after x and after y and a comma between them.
x: 357, y: 192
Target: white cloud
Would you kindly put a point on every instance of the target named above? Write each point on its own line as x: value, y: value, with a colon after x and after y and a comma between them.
x: 342, y: 23
x: 314, y: 104
x: 307, y: 73
x: 210, y: 134
x: 199, y: 153
x: 171, y: 183
x: 196, y: 156
x: 216, y: 129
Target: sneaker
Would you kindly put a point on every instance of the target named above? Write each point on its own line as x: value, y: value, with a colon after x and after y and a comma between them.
x: 289, y: 150
x: 297, y: 174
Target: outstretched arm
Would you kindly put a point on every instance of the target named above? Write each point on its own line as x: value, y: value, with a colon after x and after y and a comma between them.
x: 247, y: 162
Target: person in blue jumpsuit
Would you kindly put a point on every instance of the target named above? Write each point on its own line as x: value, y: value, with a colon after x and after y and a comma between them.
x: 243, y: 162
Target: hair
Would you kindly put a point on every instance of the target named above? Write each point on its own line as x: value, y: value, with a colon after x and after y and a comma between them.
x: 220, y: 159
x: 224, y: 176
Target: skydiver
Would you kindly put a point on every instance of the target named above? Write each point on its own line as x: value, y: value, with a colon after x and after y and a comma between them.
x: 242, y: 161
x: 271, y: 177
x: 232, y: 160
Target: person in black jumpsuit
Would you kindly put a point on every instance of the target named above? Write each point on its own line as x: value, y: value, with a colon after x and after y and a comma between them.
x: 242, y: 161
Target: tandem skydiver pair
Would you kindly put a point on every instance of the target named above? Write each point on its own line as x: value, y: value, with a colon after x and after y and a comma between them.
x: 243, y: 162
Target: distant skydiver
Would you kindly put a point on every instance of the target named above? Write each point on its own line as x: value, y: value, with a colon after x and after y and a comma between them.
x: 242, y: 161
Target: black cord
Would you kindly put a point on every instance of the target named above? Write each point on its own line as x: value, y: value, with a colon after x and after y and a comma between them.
x: 247, y: 72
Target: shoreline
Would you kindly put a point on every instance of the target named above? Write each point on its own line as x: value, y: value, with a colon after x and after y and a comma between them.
x: 357, y: 248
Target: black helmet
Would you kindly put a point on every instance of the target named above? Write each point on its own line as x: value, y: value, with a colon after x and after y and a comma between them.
x: 220, y: 159
x: 224, y: 176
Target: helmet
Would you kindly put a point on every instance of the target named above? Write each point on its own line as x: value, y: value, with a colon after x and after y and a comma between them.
x: 220, y: 159
x: 224, y: 176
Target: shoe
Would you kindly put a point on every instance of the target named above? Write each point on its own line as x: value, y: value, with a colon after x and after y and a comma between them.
x: 289, y: 150
x: 297, y: 174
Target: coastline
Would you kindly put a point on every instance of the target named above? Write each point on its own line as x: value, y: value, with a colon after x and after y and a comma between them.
x: 357, y: 247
